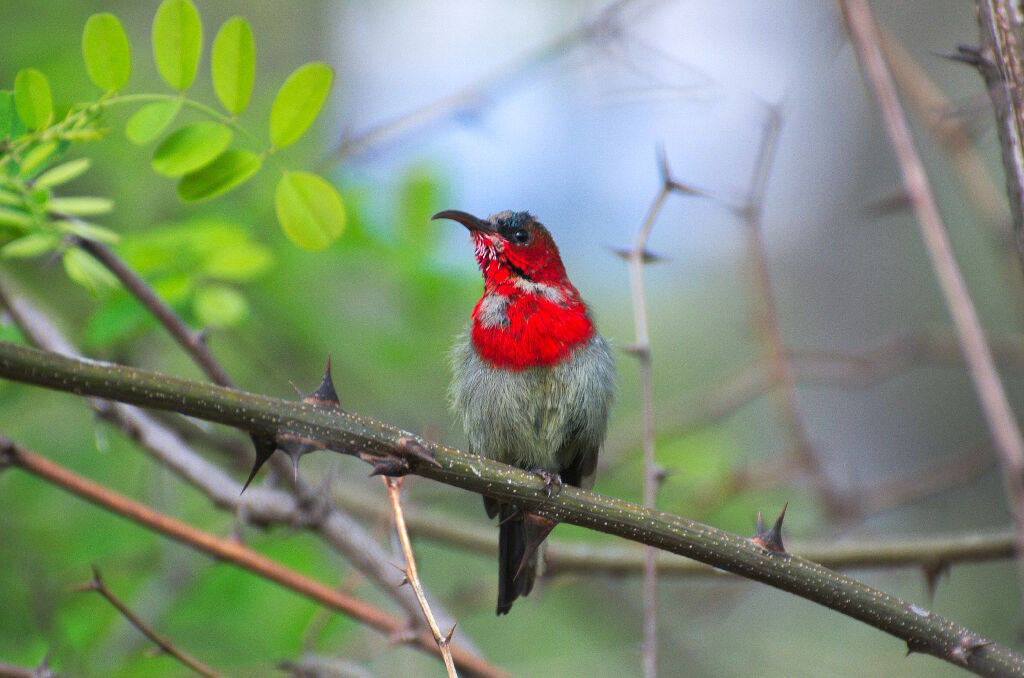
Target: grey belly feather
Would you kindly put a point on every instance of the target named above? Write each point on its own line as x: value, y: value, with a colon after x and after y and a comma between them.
x: 539, y: 418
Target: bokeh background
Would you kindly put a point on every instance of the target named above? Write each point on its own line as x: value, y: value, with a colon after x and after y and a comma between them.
x: 525, y: 111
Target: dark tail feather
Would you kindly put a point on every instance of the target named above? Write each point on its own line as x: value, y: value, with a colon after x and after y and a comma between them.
x: 515, y: 578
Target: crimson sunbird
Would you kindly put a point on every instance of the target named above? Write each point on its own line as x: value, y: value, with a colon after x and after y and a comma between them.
x: 533, y: 381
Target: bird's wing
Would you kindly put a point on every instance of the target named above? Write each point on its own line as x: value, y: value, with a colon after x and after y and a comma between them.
x: 582, y: 465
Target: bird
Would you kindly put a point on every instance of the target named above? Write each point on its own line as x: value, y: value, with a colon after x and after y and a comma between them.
x: 532, y: 380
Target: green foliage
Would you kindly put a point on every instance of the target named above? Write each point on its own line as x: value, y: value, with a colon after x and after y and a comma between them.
x: 63, y: 173
x: 309, y: 209
x: 298, y: 102
x: 150, y: 121
x: 191, y: 148
x: 233, y: 64
x: 231, y: 169
x: 107, y: 52
x: 32, y: 98
x: 177, y: 42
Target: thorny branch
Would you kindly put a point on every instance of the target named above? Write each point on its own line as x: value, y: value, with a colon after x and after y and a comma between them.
x: 412, y: 576
x: 362, y: 437
x: 261, y: 506
x: 99, y: 586
x: 231, y: 551
x: 1005, y: 432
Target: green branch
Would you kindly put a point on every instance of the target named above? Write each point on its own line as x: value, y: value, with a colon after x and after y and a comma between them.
x: 333, y: 429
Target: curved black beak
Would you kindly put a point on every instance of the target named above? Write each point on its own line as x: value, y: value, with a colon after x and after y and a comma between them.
x: 466, y: 219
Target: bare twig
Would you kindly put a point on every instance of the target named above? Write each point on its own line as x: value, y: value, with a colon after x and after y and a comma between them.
x: 653, y: 475
x: 97, y: 584
x: 393, y: 487
x: 363, y: 437
x: 231, y: 551
x: 1000, y: 58
x: 1006, y: 434
x: 931, y: 106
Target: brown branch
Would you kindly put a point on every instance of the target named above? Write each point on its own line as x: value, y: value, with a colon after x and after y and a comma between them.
x: 97, y: 584
x: 561, y: 558
x: 260, y: 506
x: 392, y: 485
x: 1001, y: 62
x: 192, y: 342
x: 233, y: 552
x: 1006, y: 434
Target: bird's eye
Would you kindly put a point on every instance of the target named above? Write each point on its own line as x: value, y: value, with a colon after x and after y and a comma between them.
x: 521, y: 236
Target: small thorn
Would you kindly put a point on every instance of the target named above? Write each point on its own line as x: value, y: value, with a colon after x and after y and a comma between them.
x: 390, y: 467
x: 637, y: 350
x: 965, y: 54
x: 932, y: 573
x: 409, y: 447
x: 297, y: 390
x: 646, y: 256
x: 202, y: 335
x: 325, y: 395
x: 897, y: 201
x: 537, y: 530
x: 770, y: 540
x: 968, y: 645
x: 448, y: 636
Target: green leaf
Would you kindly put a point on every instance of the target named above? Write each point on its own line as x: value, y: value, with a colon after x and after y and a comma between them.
x: 15, y: 218
x: 32, y: 98
x: 177, y: 42
x: 240, y: 262
x: 190, y: 148
x: 63, y: 173
x: 88, y: 272
x: 231, y: 169
x: 233, y: 64
x: 11, y: 125
x: 31, y: 245
x: 35, y: 158
x: 217, y: 306
x: 107, y: 52
x: 298, y: 102
x: 150, y: 121
x: 81, y: 206
x: 11, y: 199
x: 309, y: 210
x: 87, y: 230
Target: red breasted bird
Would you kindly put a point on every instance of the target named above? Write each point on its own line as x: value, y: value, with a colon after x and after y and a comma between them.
x: 533, y: 380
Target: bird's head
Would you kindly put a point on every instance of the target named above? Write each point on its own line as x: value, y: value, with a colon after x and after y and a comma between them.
x: 512, y: 245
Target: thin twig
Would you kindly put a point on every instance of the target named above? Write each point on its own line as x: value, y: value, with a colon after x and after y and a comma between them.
x: 231, y: 551
x: 192, y: 342
x: 1006, y: 434
x: 259, y: 506
x: 97, y: 584
x: 365, y: 438
x: 653, y: 475
x: 393, y: 487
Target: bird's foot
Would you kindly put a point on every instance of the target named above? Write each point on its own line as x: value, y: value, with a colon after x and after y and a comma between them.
x: 552, y: 482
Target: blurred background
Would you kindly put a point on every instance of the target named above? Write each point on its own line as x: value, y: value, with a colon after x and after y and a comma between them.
x: 557, y: 108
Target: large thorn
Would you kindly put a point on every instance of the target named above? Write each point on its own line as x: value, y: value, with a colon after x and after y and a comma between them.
x: 965, y: 54
x: 325, y: 395
x: 265, y: 446
x: 410, y: 448
x: 770, y: 540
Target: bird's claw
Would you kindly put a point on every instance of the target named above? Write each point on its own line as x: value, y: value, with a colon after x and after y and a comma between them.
x: 552, y: 482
